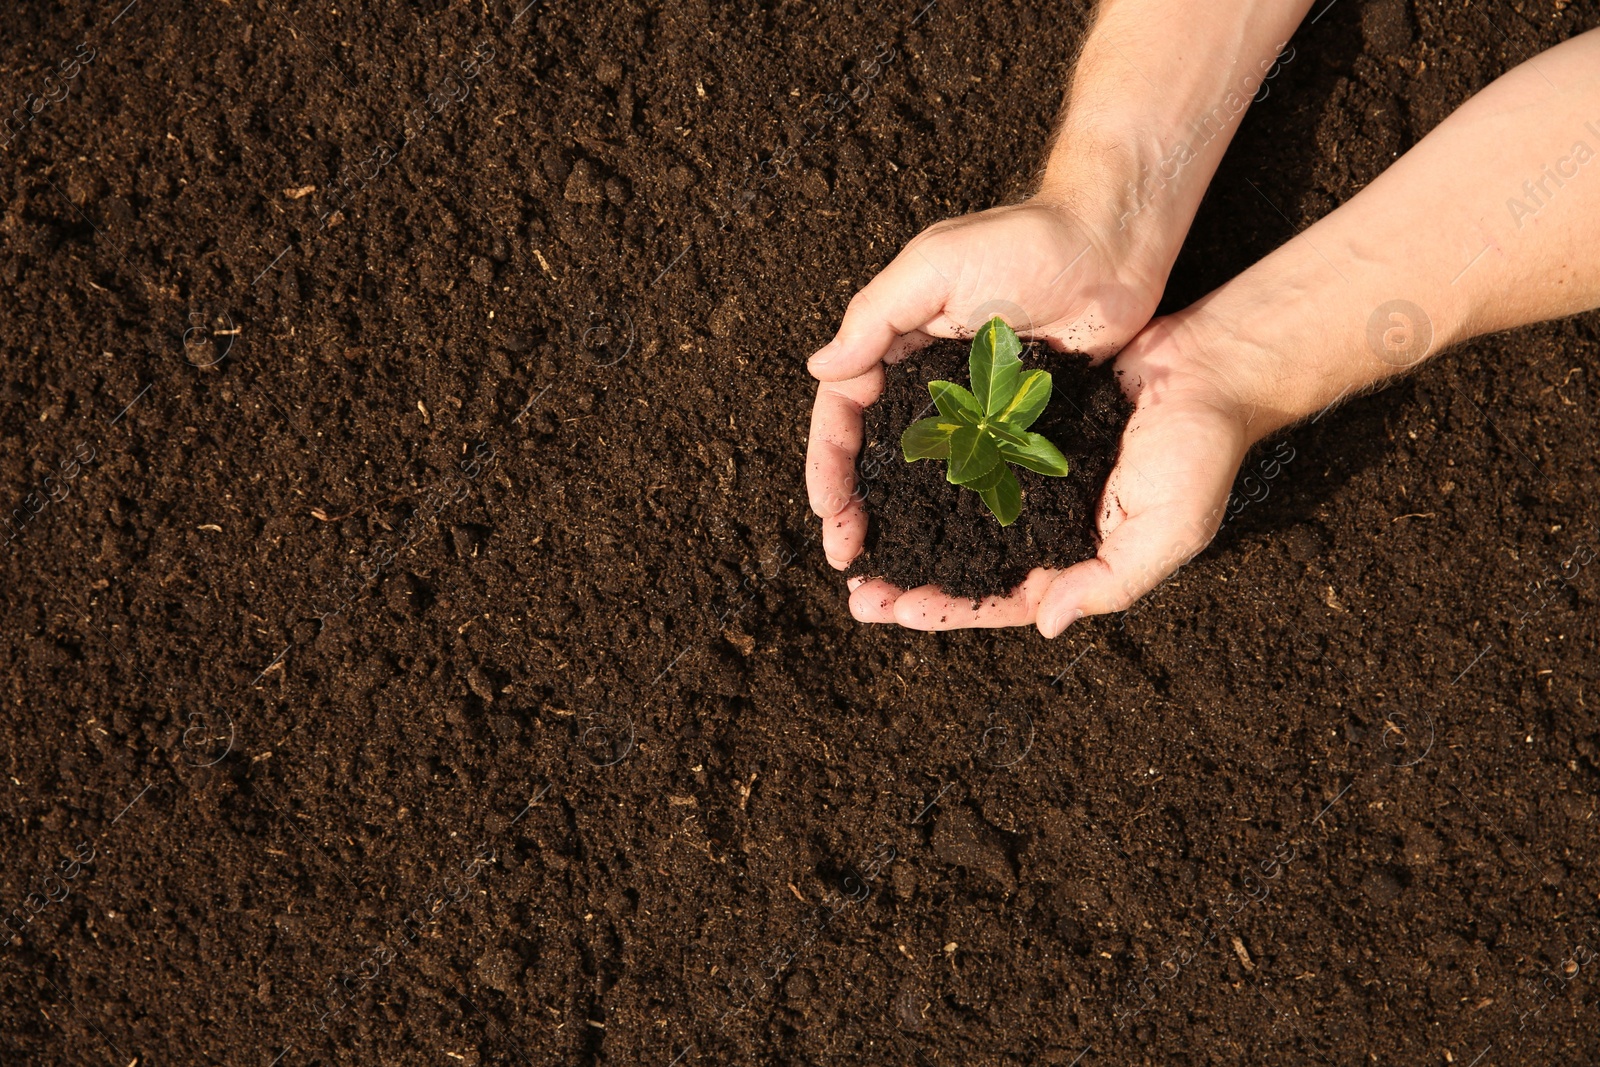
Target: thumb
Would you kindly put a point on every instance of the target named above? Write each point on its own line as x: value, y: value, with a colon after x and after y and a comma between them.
x: 1134, y: 558
x: 905, y: 295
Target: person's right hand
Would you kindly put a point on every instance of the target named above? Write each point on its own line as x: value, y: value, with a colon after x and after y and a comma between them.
x: 1038, y: 265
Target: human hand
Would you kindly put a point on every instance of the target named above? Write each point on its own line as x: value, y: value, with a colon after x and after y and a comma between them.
x: 1038, y: 265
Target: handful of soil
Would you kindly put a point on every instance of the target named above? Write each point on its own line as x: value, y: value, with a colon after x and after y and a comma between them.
x: 924, y: 530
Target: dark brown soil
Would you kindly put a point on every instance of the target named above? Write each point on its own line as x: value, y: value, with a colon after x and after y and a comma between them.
x: 422, y: 633
x: 925, y: 530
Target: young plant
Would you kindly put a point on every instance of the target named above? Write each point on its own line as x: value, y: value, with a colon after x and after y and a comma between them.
x: 983, y: 431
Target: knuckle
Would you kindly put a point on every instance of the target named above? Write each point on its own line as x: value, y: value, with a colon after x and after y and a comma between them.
x: 932, y: 243
x: 834, y: 501
x: 860, y: 304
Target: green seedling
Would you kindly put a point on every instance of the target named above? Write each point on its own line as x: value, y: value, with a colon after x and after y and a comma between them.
x: 981, y: 432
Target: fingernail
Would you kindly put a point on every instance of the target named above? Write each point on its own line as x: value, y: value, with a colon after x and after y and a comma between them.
x: 825, y: 354
x: 855, y: 583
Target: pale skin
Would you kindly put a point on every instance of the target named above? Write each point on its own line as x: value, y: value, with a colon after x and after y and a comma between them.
x: 1491, y: 221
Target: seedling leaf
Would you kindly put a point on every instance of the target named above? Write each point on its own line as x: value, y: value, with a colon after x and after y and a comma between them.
x: 1033, y: 393
x: 994, y: 365
x: 1008, y: 435
x: 955, y: 402
x: 990, y: 480
x: 927, y: 439
x: 973, y: 454
x: 1038, y: 455
x: 1004, y: 500
x: 980, y: 433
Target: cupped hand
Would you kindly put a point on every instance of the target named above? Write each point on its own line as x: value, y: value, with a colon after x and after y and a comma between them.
x: 1038, y: 265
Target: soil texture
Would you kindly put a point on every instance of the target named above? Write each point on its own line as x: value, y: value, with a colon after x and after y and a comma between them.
x: 417, y: 646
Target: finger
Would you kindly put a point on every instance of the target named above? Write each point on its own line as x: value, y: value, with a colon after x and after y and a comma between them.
x: 904, y: 296
x: 1134, y: 558
x: 873, y: 600
x: 836, y: 431
x: 844, y: 533
x: 835, y: 440
x: 930, y: 608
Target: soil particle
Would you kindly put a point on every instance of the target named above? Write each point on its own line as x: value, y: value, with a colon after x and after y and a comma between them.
x: 962, y: 839
x: 500, y: 969
x: 583, y: 184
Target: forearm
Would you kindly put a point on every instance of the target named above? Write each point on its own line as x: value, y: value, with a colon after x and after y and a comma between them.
x: 1492, y: 221
x: 1156, y: 96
